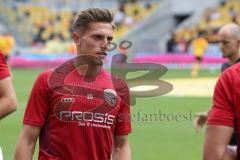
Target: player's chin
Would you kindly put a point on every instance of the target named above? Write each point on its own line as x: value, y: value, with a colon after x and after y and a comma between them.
x: 98, y: 61
x: 225, y: 55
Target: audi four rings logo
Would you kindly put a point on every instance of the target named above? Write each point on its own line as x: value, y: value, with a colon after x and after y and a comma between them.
x: 67, y: 100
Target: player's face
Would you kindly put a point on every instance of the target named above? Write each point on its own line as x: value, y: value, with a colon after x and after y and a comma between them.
x: 228, y: 45
x: 95, y: 40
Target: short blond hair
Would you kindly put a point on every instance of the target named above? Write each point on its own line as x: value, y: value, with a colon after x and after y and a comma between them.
x: 85, y: 17
x: 232, y: 29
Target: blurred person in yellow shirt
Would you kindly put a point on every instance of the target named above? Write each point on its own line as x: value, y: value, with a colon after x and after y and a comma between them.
x: 55, y: 45
x: 199, y: 46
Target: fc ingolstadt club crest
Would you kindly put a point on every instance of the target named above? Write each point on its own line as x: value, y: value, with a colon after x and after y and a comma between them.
x: 110, y: 96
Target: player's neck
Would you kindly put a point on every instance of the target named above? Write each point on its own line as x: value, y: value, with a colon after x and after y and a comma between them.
x: 234, y: 58
x: 87, y: 70
x: 92, y: 71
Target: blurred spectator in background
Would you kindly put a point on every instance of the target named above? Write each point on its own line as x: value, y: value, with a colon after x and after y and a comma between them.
x: 38, y: 38
x: 182, y: 44
x: 7, y: 43
x: 148, y: 6
x: 171, y: 44
x: 233, y: 12
x: 55, y: 45
x: 122, y: 18
x: 182, y: 39
x: 119, y: 16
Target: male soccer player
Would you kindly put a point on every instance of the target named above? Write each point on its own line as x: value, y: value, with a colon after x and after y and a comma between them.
x: 230, y: 48
x: 8, y: 100
x: 79, y: 111
x: 224, y: 116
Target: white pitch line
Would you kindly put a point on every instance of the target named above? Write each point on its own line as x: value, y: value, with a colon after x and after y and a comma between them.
x: 143, y: 88
x: 185, y: 87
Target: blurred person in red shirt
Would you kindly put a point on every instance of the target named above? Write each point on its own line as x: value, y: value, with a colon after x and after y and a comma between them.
x: 221, y: 139
x: 8, y: 100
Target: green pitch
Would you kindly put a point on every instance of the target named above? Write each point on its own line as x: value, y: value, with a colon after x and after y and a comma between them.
x: 162, y: 126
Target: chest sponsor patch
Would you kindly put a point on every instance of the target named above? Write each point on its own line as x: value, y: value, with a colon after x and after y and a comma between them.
x: 110, y: 96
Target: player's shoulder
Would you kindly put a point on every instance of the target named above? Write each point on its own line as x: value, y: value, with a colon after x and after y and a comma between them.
x: 2, y: 59
x: 1, y: 54
x: 224, y: 66
x: 234, y: 69
x: 44, y: 75
x: 231, y: 74
x: 118, y: 82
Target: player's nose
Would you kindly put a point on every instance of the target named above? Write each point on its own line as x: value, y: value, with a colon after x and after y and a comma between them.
x: 104, y: 45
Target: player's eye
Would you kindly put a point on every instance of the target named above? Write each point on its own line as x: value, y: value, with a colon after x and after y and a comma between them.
x: 224, y: 42
x: 109, y: 39
x: 98, y: 37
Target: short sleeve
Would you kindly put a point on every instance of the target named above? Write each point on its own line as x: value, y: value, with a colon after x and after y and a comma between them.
x: 37, y: 106
x: 4, y: 72
x: 123, y: 121
x: 222, y: 112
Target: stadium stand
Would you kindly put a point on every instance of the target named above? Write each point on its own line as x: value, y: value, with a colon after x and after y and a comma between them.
x: 211, y: 20
x: 46, y: 26
x: 42, y: 29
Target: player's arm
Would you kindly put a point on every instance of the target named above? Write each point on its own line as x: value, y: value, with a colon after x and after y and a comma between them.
x: 121, y: 150
x: 26, y: 143
x: 216, y: 143
x: 8, y: 100
x: 221, y: 120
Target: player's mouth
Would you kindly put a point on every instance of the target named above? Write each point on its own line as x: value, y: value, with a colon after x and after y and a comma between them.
x: 102, y: 55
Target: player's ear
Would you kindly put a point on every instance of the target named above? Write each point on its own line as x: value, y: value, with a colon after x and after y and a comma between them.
x: 76, y: 38
x: 238, y: 42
